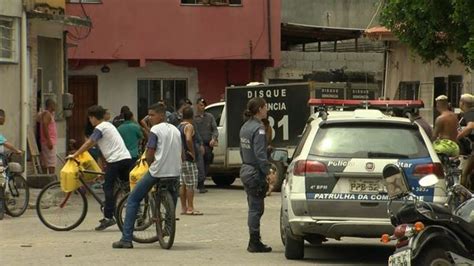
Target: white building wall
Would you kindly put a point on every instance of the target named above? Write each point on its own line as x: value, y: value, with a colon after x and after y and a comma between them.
x: 119, y: 86
x: 296, y: 64
x: 10, y: 100
x: 11, y: 8
x: 10, y: 82
x: 404, y: 65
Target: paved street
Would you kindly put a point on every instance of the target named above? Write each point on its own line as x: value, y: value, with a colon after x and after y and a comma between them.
x: 218, y: 237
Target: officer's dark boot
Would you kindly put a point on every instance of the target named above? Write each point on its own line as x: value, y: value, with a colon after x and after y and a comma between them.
x: 256, y: 245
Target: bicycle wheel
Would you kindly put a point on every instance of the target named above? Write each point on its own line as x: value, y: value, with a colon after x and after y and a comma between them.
x: 17, y: 196
x: 166, y: 215
x: 2, y: 203
x: 119, y: 193
x: 144, y: 230
x: 59, y: 210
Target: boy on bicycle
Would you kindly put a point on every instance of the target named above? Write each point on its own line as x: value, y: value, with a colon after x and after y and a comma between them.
x: 119, y: 162
x: 3, y: 140
x: 163, y: 154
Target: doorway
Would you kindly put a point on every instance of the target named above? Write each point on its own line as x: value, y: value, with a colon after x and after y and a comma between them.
x: 84, y: 89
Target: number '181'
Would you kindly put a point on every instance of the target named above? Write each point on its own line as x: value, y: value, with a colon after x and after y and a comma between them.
x: 282, y: 123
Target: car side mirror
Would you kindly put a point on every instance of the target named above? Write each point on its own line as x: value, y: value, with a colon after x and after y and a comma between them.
x: 279, y: 155
x: 395, y: 181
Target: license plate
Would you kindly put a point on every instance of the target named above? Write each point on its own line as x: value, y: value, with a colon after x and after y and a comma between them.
x: 365, y: 186
x: 402, y: 258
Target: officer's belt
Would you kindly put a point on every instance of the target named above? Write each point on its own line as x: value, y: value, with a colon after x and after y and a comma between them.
x: 254, y: 165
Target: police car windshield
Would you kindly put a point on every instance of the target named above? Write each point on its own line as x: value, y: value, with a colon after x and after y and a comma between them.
x: 369, y: 141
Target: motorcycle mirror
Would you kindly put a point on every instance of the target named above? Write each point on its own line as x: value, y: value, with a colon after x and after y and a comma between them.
x: 395, y: 181
x: 428, y: 180
x: 280, y: 155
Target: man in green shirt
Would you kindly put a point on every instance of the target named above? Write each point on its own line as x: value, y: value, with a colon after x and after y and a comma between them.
x: 131, y: 134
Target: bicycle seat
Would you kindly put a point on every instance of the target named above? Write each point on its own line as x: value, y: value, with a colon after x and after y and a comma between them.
x: 15, y: 167
x: 166, y: 182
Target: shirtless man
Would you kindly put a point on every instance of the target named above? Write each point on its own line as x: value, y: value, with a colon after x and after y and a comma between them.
x: 445, y: 129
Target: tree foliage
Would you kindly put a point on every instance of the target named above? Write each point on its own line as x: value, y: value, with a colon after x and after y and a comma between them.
x: 432, y: 28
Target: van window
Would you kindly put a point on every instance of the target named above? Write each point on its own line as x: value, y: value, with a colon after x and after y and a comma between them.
x: 216, y: 111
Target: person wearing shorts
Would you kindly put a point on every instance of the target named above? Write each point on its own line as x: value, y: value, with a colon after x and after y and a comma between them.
x: 189, y: 171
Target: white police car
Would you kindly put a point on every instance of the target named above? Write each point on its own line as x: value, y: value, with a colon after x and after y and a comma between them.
x: 333, y: 183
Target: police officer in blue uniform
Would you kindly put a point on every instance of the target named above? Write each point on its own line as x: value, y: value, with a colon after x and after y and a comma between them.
x: 255, y: 168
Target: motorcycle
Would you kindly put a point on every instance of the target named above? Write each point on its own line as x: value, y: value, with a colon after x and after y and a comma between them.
x: 428, y: 233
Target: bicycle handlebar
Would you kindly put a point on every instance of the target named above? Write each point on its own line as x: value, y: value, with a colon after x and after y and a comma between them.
x: 92, y: 172
x: 74, y: 159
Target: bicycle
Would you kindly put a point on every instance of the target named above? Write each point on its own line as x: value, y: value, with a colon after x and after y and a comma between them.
x: 156, y: 219
x: 64, y: 211
x: 14, y: 191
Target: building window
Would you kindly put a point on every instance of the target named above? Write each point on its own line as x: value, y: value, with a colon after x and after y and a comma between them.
x: 454, y: 90
x: 408, y: 90
x: 149, y: 91
x: 8, y: 39
x: 85, y: 1
x: 213, y: 2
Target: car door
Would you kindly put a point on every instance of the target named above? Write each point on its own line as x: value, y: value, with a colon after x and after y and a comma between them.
x: 218, y: 111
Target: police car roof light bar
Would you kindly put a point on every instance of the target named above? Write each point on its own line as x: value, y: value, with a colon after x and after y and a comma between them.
x: 367, y: 103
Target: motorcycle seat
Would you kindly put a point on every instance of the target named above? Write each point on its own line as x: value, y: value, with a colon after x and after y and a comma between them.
x: 409, y: 213
x: 466, y: 226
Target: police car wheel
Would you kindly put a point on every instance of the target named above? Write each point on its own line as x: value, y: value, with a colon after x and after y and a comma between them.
x: 294, y: 248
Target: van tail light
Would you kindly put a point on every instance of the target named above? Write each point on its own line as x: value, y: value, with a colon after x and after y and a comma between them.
x: 427, y: 169
x: 304, y: 167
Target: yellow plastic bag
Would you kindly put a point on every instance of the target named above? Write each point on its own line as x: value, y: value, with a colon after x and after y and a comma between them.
x: 69, y: 176
x: 87, y: 162
x: 140, y: 169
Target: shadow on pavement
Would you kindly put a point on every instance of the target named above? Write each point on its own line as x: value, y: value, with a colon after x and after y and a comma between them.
x: 231, y: 187
x: 349, y: 252
x: 176, y: 247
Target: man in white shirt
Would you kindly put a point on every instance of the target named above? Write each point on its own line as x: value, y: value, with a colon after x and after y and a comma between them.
x: 164, y: 157
x: 119, y: 162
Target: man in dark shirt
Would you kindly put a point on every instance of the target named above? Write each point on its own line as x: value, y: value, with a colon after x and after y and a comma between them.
x: 118, y: 120
x: 466, y: 124
x: 206, y: 127
x: 176, y: 117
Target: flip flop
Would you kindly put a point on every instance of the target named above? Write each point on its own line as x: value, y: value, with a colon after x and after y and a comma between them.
x: 194, y: 213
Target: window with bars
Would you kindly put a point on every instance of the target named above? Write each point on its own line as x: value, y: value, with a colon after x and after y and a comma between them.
x: 150, y: 91
x: 408, y: 90
x: 8, y: 39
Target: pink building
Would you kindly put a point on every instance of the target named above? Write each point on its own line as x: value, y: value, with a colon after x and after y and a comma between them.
x: 140, y: 51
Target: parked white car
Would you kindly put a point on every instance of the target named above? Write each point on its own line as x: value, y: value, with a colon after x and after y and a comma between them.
x: 333, y: 183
